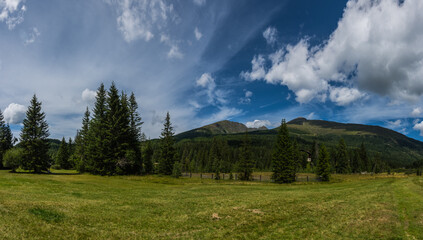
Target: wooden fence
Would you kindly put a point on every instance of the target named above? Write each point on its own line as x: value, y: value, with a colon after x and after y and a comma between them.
x: 256, y: 177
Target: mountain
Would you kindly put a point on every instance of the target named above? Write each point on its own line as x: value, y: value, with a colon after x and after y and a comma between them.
x: 218, y: 128
x: 392, y: 147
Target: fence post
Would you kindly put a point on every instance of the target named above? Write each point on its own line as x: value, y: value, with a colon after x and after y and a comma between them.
x: 190, y: 175
x: 307, y: 178
x: 236, y: 175
x: 223, y: 176
x: 212, y: 175
x: 260, y: 178
x: 201, y: 175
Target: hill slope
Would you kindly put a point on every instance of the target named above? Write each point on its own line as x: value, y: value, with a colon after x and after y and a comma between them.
x: 393, y: 147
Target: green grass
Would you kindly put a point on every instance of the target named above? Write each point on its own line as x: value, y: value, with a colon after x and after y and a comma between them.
x: 152, y: 207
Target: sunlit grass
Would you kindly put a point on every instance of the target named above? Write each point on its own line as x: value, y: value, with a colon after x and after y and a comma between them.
x: 150, y: 207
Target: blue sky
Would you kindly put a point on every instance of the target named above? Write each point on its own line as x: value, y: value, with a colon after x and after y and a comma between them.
x: 254, y: 62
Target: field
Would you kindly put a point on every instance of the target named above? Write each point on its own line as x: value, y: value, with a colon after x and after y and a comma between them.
x: 61, y: 206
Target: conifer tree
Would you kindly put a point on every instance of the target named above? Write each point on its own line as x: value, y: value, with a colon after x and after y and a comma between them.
x: 283, y: 163
x: 34, y: 139
x: 81, y: 141
x: 148, y: 158
x: 314, y: 153
x: 135, y: 134
x: 246, y: 163
x: 62, y: 156
x: 6, y: 138
x: 323, y: 165
x: 365, y: 163
x: 342, y: 163
x: 355, y: 161
x: 167, y: 149
x: 97, y: 147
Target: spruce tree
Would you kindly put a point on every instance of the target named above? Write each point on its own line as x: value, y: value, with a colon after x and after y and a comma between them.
x: 314, y: 153
x: 246, y: 164
x: 148, y: 158
x: 97, y: 141
x: 6, y: 138
x: 81, y: 141
x: 283, y: 163
x: 323, y: 165
x: 62, y: 156
x: 167, y: 149
x: 34, y: 139
x: 342, y: 163
x: 135, y: 134
x: 364, y: 160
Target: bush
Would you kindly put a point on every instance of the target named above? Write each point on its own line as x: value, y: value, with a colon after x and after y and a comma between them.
x: 12, y: 158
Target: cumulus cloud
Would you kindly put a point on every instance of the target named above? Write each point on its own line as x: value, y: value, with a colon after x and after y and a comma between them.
x: 416, y: 112
x: 198, y: 34
x: 247, y: 97
x: 419, y: 127
x: 214, y: 96
x: 31, y: 36
x: 11, y: 12
x: 138, y: 19
x: 88, y: 96
x: 343, y: 96
x: 270, y: 34
x: 199, y: 2
x: 14, y: 113
x: 376, y: 47
x: 175, y: 53
x: 258, y: 72
x: 258, y: 123
x: 395, y: 124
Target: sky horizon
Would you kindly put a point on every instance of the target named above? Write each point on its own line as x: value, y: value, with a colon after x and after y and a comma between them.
x: 254, y: 62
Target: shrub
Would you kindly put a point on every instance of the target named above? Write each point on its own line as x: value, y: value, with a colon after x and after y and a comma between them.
x: 12, y: 158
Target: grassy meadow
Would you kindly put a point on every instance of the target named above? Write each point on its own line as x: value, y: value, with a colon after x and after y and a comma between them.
x: 65, y: 206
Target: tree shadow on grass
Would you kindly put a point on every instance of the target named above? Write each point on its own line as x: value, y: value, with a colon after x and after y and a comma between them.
x: 44, y: 173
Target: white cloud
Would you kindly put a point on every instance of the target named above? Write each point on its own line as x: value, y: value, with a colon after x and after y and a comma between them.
x: 258, y: 72
x: 174, y: 52
x: 311, y: 116
x: 224, y: 113
x: 416, y: 112
x: 206, y: 80
x: 88, y: 96
x: 199, y: 2
x: 11, y: 12
x: 376, y: 47
x: 395, y: 124
x: 247, y: 98
x: 270, y: 34
x: 419, y: 127
x: 258, y: 123
x: 343, y: 96
x: 31, y: 36
x: 14, y: 113
x: 248, y: 94
x: 138, y: 19
x: 198, y: 34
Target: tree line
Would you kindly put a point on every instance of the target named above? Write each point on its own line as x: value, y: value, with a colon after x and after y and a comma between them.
x: 110, y: 142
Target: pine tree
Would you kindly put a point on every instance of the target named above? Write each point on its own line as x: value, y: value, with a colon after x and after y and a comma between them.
x: 135, y: 134
x: 343, y: 163
x: 246, y: 163
x: 167, y: 149
x: 34, y: 139
x: 97, y: 141
x: 6, y: 138
x: 148, y: 158
x: 365, y: 163
x: 314, y: 153
x: 81, y: 141
x: 283, y: 163
x: 62, y: 156
x: 323, y: 165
